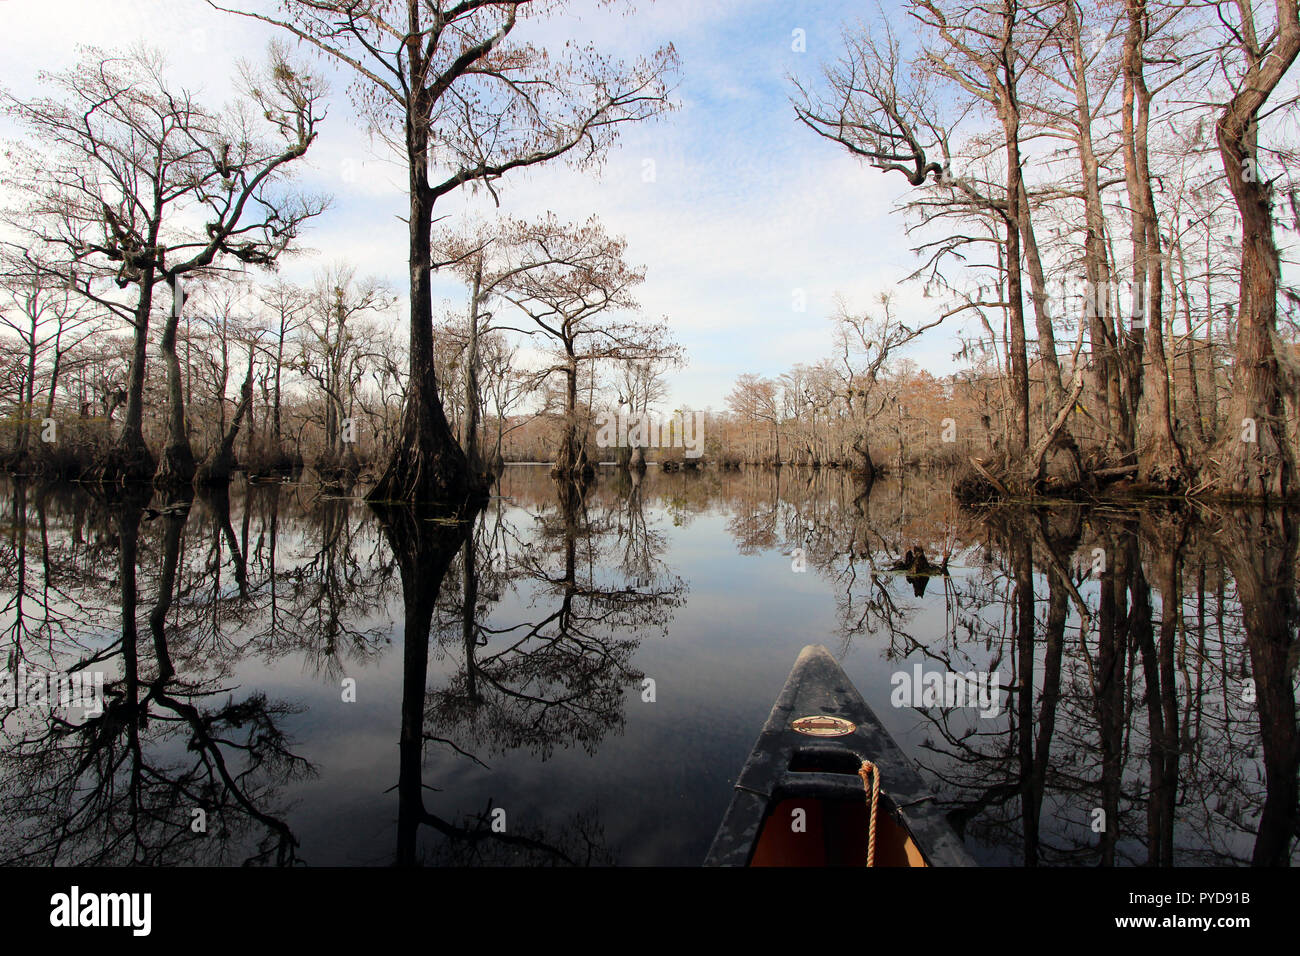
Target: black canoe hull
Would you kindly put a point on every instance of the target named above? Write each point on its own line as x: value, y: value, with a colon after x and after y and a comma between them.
x: 787, y: 766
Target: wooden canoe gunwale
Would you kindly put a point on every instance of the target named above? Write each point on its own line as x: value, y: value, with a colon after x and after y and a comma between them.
x: 817, y: 685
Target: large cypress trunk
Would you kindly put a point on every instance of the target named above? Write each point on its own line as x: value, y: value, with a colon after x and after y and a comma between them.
x: 1262, y: 467
x: 864, y: 469
x: 427, y: 465
x: 1162, y: 461
x: 571, y: 458
x: 130, y: 459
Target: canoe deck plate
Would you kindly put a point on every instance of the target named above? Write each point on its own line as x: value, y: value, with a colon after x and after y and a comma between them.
x: 822, y: 725
x: 816, y: 689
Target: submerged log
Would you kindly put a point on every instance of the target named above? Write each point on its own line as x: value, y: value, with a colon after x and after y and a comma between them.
x: 1114, y: 472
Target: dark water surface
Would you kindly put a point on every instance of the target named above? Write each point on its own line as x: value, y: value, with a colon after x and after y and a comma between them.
x: 1161, y: 729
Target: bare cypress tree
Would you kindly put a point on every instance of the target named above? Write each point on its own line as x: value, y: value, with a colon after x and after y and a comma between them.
x: 1163, y: 461
x: 1253, y: 457
x: 573, y: 289
x: 470, y: 107
x: 286, y: 304
x: 328, y: 354
x: 892, y: 123
x: 49, y: 320
x: 128, y: 164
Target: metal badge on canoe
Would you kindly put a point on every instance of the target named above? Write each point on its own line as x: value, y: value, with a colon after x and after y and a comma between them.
x: 822, y: 725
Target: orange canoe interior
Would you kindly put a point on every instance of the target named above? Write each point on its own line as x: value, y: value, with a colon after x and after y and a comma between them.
x: 831, y: 833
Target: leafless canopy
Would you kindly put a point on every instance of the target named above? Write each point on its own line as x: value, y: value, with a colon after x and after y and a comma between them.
x: 874, y: 111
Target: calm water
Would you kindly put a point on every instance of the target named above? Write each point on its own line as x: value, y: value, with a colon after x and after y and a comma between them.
x: 330, y: 688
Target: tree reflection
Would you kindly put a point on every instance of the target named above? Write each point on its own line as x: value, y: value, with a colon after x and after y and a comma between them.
x: 1147, y: 656
x: 1260, y: 547
x: 165, y: 774
x: 1134, y: 740
x: 560, y: 675
x: 1151, y: 713
x: 425, y: 544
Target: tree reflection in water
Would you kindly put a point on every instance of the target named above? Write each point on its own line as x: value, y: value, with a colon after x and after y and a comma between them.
x: 123, y: 787
x: 1149, y: 652
x: 1141, y: 685
x: 557, y: 678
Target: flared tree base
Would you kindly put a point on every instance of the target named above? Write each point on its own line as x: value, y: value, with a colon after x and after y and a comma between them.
x: 1165, y: 468
x: 1259, y: 470
x: 176, y: 468
x: 126, y: 462
x: 429, y: 470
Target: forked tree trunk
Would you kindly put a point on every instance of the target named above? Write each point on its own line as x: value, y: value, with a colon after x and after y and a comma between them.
x: 1163, y: 461
x: 1262, y: 467
x: 864, y: 469
x: 1106, y: 403
x: 217, y: 472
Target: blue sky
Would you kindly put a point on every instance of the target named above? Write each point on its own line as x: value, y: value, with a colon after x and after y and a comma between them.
x: 747, y: 208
